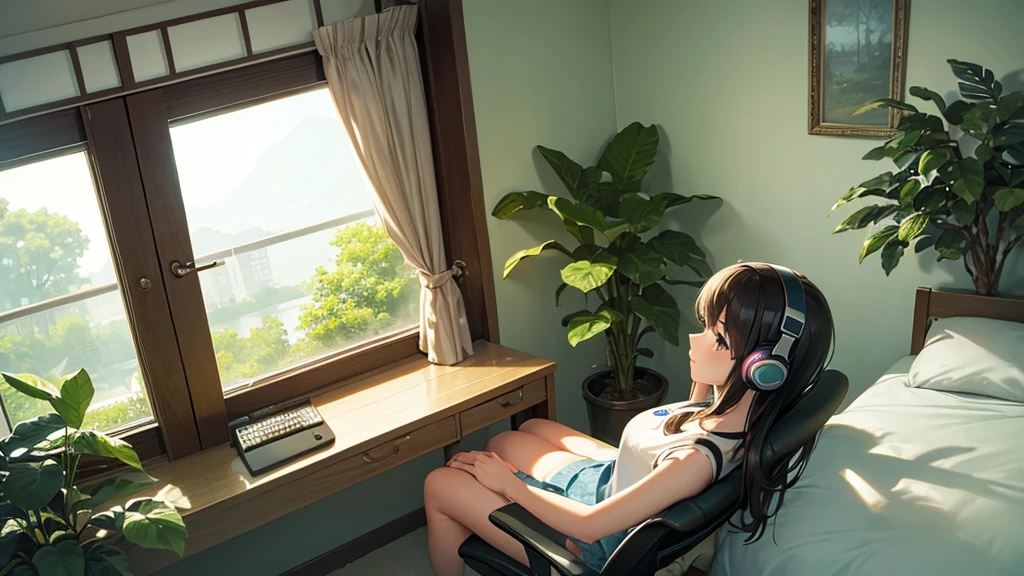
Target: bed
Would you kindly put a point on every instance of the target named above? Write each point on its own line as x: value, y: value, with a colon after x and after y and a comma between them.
x: 906, y: 480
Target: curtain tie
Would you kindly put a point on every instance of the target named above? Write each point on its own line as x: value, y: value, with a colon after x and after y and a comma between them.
x: 437, y: 280
x: 433, y: 281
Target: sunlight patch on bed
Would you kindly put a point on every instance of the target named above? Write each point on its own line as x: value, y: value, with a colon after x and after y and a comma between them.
x: 871, y: 497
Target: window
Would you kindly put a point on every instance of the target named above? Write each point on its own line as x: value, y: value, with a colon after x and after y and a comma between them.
x: 246, y: 166
x: 60, y: 306
x: 275, y: 193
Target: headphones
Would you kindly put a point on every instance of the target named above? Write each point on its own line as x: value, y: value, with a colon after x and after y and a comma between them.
x: 766, y: 368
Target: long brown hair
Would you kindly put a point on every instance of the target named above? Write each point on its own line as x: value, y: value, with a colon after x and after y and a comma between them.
x: 753, y: 299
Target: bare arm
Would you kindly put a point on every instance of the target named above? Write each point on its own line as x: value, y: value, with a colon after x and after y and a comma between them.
x: 682, y: 476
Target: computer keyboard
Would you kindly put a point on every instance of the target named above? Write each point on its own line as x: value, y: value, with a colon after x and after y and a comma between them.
x: 275, y: 435
x: 278, y: 426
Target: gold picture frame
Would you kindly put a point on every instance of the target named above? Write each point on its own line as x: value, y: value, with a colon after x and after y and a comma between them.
x: 841, y: 31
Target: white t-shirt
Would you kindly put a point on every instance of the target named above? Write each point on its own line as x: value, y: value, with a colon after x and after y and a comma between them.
x: 644, y: 444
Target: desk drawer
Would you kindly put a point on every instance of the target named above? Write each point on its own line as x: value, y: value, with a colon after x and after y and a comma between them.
x: 503, y: 406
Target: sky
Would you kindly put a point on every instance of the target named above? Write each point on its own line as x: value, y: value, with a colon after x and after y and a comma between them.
x: 235, y: 140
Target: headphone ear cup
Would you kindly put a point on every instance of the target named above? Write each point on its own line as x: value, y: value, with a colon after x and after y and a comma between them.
x: 762, y: 371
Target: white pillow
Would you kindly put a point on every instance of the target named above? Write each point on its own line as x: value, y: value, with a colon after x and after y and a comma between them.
x: 973, y: 355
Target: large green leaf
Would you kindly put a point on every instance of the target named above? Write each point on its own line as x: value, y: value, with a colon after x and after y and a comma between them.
x: 112, y: 520
x: 1007, y: 199
x: 581, y: 182
x: 31, y: 385
x: 114, y: 487
x: 926, y: 94
x: 890, y: 102
x: 630, y: 156
x: 641, y: 264
x: 668, y: 200
x: 962, y: 211
x: 99, y: 444
x: 932, y: 159
x: 641, y: 213
x: 875, y: 153
x: 657, y: 307
x: 855, y: 193
x: 892, y: 251
x: 515, y: 201
x: 586, y: 275
x: 31, y: 432
x: 585, y: 327
x: 700, y: 266
x: 75, y: 396
x: 1008, y: 135
x: 102, y: 560
x: 912, y: 227
x: 956, y: 111
x: 951, y: 239
x: 64, y: 559
x: 154, y: 524
x: 568, y: 171
x: 876, y: 241
x: 31, y: 485
x: 978, y: 121
x: 858, y: 219
x: 909, y: 192
x: 13, y: 536
x: 518, y: 256
x: 971, y: 183
x: 580, y: 214
x: 1008, y: 106
x: 676, y: 247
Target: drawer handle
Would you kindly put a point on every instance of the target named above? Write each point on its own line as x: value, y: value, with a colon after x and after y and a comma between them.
x: 511, y: 399
x: 394, y: 450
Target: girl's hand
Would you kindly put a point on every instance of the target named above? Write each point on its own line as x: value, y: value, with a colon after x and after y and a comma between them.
x: 488, y: 468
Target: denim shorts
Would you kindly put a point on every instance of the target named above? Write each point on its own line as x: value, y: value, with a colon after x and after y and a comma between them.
x: 586, y: 481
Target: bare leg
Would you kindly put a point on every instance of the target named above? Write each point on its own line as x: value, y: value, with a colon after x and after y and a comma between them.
x: 457, y: 506
x: 564, y: 438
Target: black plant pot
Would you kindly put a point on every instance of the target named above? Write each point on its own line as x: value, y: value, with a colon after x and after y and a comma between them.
x: 609, y: 417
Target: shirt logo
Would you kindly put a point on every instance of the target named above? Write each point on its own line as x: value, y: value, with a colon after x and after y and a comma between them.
x: 661, y: 412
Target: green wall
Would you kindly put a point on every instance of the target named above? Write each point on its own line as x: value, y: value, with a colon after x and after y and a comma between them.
x: 727, y: 82
x: 541, y: 74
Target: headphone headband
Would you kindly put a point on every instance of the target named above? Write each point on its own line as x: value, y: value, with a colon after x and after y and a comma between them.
x: 795, y: 317
x: 768, y: 366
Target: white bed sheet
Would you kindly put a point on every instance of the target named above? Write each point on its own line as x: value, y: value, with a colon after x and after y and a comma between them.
x: 904, y: 481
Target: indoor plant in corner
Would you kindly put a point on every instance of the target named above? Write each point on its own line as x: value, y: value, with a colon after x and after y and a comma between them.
x: 939, y: 197
x: 623, y: 269
x: 50, y: 525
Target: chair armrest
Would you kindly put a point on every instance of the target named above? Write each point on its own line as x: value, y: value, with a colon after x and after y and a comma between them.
x: 543, y: 552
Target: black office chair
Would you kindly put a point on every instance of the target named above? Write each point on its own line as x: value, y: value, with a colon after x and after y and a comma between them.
x: 661, y: 540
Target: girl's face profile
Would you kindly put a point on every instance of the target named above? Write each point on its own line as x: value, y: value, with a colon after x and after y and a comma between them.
x: 710, y: 353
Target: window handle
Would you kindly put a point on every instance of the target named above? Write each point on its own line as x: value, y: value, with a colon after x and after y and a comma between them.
x: 181, y: 270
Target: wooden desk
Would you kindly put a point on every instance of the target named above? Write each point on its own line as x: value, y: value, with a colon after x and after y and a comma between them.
x: 381, y: 420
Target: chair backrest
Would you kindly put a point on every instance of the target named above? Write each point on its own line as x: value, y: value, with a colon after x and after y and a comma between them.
x: 660, y: 540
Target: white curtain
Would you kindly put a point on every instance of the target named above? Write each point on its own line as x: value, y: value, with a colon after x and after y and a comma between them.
x: 373, y: 71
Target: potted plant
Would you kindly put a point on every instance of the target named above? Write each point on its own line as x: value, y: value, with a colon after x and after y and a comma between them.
x: 969, y: 207
x: 50, y: 525
x: 619, y: 260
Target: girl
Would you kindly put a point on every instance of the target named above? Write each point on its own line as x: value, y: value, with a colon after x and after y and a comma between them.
x: 767, y: 335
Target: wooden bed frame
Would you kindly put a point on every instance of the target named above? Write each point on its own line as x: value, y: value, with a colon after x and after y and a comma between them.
x: 930, y: 304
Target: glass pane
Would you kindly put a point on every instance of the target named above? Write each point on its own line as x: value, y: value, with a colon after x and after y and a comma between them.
x: 60, y: 309
x: 275, y: 190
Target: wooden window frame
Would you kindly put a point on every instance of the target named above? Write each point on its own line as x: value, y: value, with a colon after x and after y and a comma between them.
x: 138, y: 186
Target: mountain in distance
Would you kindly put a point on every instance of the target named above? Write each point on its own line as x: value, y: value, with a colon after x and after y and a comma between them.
x: 309, y: 176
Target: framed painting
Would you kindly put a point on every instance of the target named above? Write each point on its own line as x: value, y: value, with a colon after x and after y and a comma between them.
x: 858, y: 53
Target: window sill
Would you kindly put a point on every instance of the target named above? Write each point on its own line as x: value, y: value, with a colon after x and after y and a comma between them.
x: 405, y: 410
